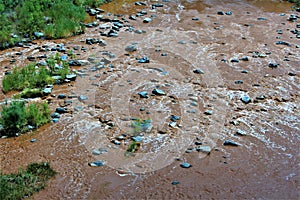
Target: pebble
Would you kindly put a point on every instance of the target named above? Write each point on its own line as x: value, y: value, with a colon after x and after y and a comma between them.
x: 230, y: 143
x: 98, y: 163
x: 246, y: 99
x: 143, y: 94
x: 175, y: 182
x: 33, y: 140
x: 208, y: 112
x: 144, y: 60
x: 273, y: 65
x: 204, y: 149
x: 82, y: 98
x: 61, y: 96
x: 174, y: 118
x: 185, y: 165
x: 137, y: 138
x: 131, y: 48
x: 172, y: 124
x: 96, y: 152
x: 61, y: 110
x: 198, y: 71
x: 147, y: 20
x: 241, y: 132
x: 158, y: 92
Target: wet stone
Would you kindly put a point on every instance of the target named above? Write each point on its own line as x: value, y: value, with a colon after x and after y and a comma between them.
x: 98, y: 163
x: 147, y: 20
x: 61, y: 110
x: 208, y: 112
x: 55, y: 115
x: 96, y: 152
x: 246, y: 99
x: 204, y: 149
x: 175, y: 182
x: 174, y: 118
x: 230, y: 143
x: 131, y: 48
x: 61, y: 96
x: 241, y: 132
x: 55, y: 120
x: 185, y: 165
x: 144, y: 60
x: 143, y: 94
x: 198, y: 71
x: 137, y: 138
x: 82, y: 98
x: 238, y: 82
x: 158, y: 92
x: 33, y: 140
x: 273, y: 65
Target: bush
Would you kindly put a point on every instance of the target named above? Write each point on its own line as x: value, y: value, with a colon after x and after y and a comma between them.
x: 26, y: 182
x: 30, y: 77
x: 16, y: 117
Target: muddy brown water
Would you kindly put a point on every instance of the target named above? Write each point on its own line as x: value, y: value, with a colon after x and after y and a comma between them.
x: 265, y: 165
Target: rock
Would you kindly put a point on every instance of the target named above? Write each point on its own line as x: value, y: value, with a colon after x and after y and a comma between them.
x: 283, y: 43
x: 198, y: 143
x: 204, y: 149
x: 220, y: 13
x: 292, y: 18
x: 262, y: 19
x: 102, y: 43
x: 208, y: 112
x: 61, y: 96
x: 195, y: 19
x: 137, y: 138
x: 143, y: 94
x: 98, y: 163
x: 140, y: 3
x: 132, y: 17
x: 116, y: 142
x: 246, y: 99
x: 71, y: 77
x: 55, y: 120
x: 61, y: 110
x: 230, y: 143
x: 238, y: 82
x: 131, y: 48
x: 33, y: 140
x: 144, y: 60
x: 235, y: 60
x: 175, y: 182
x: 228, y: 13
x: 198, y: 71
x: 174, y: 118
x: 147, y: 20
x: 82, y: 98
x: 185, y: 165
x: 55, y: 115
x: 158, y: 92
x: 38, y: 34
x: 47, y: 90
x: 172, y: 124
x: 273, y: 65
x: 241, y: 132
x: 96, y: 152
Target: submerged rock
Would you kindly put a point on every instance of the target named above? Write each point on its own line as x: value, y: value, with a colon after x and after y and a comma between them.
x: 185, y: 165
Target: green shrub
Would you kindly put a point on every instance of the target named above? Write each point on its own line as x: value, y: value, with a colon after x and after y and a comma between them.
x: 25, y: 182
x: 16, y: 117
x: 30, y: 77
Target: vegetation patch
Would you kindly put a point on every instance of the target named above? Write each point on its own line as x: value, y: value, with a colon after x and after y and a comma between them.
x: 33, y: 77
x: 25, y: 182
x: 42, y: 18
x: 18, y: 118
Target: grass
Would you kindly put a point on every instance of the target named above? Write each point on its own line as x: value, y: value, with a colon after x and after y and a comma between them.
x: 16, y: 117
x: 26, y: 182
x: 31, y: 77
